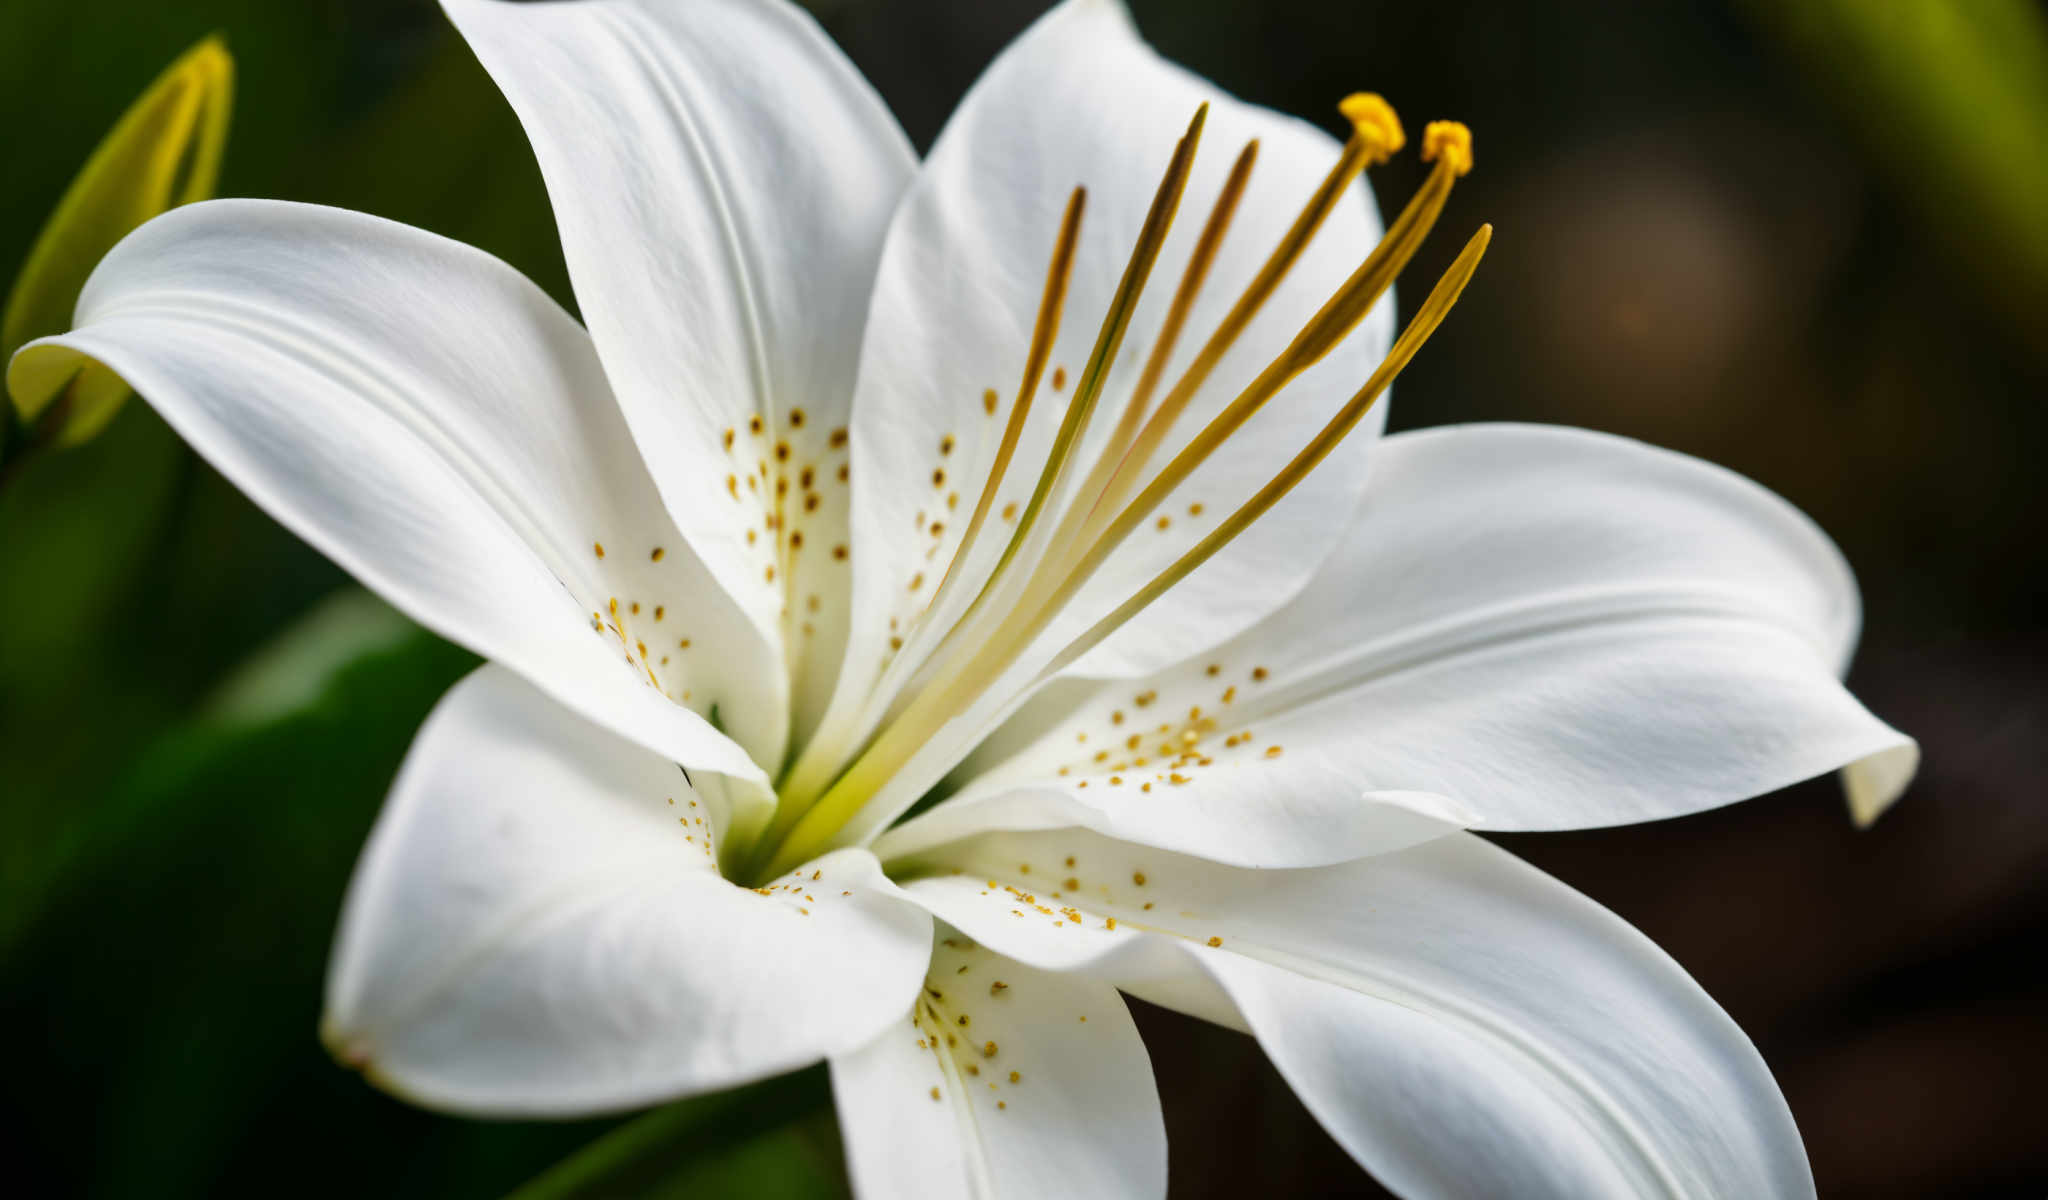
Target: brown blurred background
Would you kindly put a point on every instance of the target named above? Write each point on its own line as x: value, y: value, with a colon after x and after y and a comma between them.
x: 1720, y: 227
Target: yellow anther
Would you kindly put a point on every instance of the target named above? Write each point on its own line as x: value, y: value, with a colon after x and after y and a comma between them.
x: 1450, y: 141
x: 1374, y: 124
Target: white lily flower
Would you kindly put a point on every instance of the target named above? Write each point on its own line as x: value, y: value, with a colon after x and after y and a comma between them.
x: 875, y: 482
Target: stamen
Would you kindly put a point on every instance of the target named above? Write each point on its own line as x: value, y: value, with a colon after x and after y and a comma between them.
x: 1374, y: 123
x: 796, y: 814
x: 814, y: 768
x: 1375, y: 134
x: 1043, y: 334
x: 1439, y: 304
x: 1336, y: 319
x: 1376, y: 131
x: 1199, y: 262
x: 1151, y: 237
x: 1441, y: 300
x: 1449, y: 142
x: 947, y: 683
x: 1059, y: 580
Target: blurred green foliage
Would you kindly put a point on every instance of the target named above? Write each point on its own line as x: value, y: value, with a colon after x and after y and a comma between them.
x: 185, y: 1030
x: 176, y: 829
x: 174, y: 1026
x: 131, y: 577
x: 712, y: 1146
x: 1952, y: 101
x: 191, y: 711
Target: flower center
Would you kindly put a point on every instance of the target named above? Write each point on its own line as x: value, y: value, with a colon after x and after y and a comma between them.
x: 827, y: 798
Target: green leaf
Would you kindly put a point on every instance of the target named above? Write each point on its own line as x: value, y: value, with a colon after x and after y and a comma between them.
x: 163, y: 152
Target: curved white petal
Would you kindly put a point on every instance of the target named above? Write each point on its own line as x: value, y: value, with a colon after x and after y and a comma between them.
x: 1460, y: 1022
x: 1550, y: 627
x: 722, y: 177
x: 1004, y: 1083
x: 427, y: 418
x: 537, y: 927
x: 1080, y: 100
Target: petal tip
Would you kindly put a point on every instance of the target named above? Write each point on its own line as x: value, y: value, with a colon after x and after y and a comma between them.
x: 1874, y: 783
x: 351, y: 1050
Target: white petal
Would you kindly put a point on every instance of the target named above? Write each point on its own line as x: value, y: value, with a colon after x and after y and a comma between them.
x: 1551, y: 628
x: 431, y: 421
x: 1005, y: 1082
x: 1460, y: 1022
x: 537, y: 927
x: 1080, y: 100
x: 1304, y: 812
x: 722, y: 177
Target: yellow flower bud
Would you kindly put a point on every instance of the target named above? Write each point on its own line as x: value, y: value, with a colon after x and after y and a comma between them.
x: 164, y: 151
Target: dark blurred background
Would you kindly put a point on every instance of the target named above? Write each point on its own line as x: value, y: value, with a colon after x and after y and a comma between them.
x: 1806, y: 241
